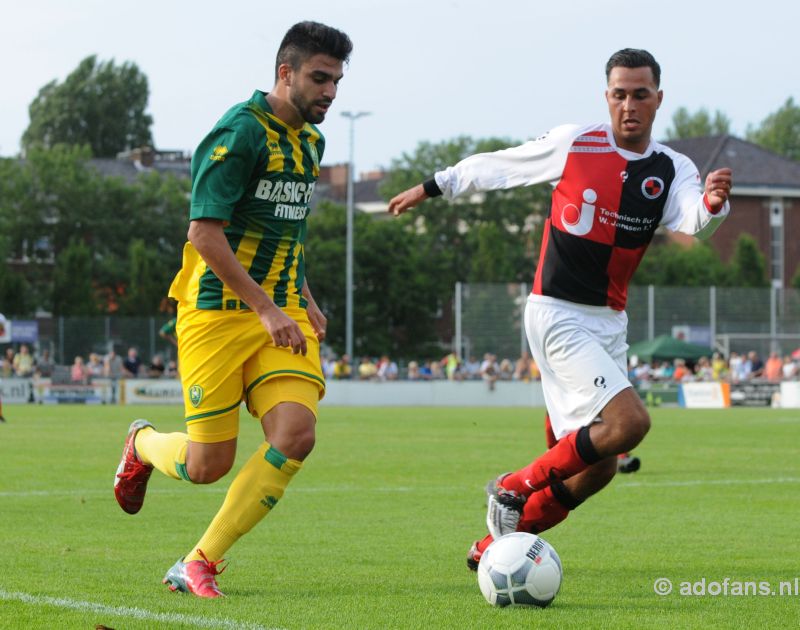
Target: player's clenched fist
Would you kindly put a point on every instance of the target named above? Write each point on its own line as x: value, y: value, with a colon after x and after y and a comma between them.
x: 718, y: 187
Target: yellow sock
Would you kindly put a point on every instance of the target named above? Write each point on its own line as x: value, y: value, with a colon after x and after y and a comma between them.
x: 253, y: 493
x: 165, y: 451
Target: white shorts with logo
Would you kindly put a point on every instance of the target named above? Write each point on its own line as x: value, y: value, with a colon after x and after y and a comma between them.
x: 581, y: 353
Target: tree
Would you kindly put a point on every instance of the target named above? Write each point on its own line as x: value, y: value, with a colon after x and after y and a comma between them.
x: 73, y: 293
x: 453, y: 235
x: 748, y: 267
x: 686, y: 125
x: 99, y: 104
x: 44, y: 200
x: 671, y: 264
x: 780, y: 131
x: 700, y: 265
x: 325, y: 267
x: 146, y: 287
x: 796, y: 278
x: 396, y: 295
x: 14, y: 290
x: 490, y: 237
x: 56, y: 195
x: 147, y: 269
x: 487, y: 241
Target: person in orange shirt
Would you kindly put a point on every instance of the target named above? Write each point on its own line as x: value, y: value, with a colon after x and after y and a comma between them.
x: 773, y: 370
x: 680, y: 370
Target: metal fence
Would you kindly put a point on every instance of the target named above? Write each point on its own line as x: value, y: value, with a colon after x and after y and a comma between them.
x: 489, y: 317
x: 68, y: 337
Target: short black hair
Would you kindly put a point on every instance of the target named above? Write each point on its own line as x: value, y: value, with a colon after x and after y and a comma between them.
x: 634, y: 58
x: 306, y: 39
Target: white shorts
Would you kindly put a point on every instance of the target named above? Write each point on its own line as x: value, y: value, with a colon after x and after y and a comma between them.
x: 581, y: 353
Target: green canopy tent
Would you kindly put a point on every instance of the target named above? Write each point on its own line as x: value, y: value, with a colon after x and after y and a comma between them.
x: 666, y: 348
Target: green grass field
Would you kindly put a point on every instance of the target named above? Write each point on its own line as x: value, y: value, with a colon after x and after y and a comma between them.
x: 373, y: 532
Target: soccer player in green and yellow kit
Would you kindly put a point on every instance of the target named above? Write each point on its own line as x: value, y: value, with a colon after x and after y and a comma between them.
x: 168, y: 331
x: 248, y: 328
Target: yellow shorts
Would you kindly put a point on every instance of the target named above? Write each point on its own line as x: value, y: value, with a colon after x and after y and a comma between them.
x: 227, y: 357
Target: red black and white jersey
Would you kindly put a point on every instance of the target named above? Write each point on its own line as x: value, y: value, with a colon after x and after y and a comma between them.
x: 607, y: 203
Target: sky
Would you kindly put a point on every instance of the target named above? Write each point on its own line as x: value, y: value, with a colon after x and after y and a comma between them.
x: 425, y: 70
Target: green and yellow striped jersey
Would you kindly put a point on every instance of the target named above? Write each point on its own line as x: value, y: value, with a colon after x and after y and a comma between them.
x: 257, y: 175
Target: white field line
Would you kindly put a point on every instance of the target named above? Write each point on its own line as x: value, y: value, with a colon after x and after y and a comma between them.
x: 220, y: 489
x: 705, y: 482
x: 217, y: 489
x: 127, y: 612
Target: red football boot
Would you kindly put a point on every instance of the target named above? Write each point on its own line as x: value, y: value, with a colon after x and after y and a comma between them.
x: 476, y: 551
x: 196, y: 577
x: 130, y: 482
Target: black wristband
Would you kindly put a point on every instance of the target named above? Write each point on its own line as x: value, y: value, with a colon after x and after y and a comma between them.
x: 431, y: 188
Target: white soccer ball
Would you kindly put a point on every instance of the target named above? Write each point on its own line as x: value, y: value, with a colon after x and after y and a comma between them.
x: 519, y: 569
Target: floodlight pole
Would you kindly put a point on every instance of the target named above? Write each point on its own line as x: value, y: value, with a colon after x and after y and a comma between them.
x: 352, y: 117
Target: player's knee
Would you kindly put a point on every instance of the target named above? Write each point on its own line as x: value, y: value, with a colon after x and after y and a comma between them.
x: 301, y: 445
x: 640, y: 425
x: 621, y: 433
x: 635, y: 428
x: 290, y: 428
x: 203, y: 472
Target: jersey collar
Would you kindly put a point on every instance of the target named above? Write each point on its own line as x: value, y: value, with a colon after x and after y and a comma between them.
x: 259, y: 99
x: 259, y: 102
x: 628, y: 155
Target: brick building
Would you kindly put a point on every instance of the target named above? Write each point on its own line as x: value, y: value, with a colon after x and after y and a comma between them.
x: 765, y: 200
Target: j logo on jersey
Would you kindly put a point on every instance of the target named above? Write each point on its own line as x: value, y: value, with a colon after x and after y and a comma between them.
x: 652, y: 187
x: 579, y: 222
x: 195, y: 395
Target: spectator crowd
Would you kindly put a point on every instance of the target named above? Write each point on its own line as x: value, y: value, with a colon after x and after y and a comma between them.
x: 450, y: 367
x: 22, y: 362
x: 737, y: 368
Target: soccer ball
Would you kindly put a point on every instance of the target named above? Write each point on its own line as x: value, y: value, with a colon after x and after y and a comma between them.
x: 519, y: 569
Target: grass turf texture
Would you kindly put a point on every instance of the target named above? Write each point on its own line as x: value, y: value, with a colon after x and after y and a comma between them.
x: 373, y: 532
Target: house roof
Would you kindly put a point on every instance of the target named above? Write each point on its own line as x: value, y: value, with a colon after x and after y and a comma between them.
x: 365, y: 195
x: 113, y: 167
x: 754, y: 167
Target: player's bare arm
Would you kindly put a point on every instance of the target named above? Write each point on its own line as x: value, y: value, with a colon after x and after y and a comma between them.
x: 318, y: 321
x: 209, y: 240
x: 718, y: 187
x: 407, y: 199
x: 169, y: 339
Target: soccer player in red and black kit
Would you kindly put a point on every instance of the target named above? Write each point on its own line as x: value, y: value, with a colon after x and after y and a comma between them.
x: 613, y: 185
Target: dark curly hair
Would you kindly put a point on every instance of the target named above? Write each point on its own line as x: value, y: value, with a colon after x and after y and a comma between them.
x: 306, y: 39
